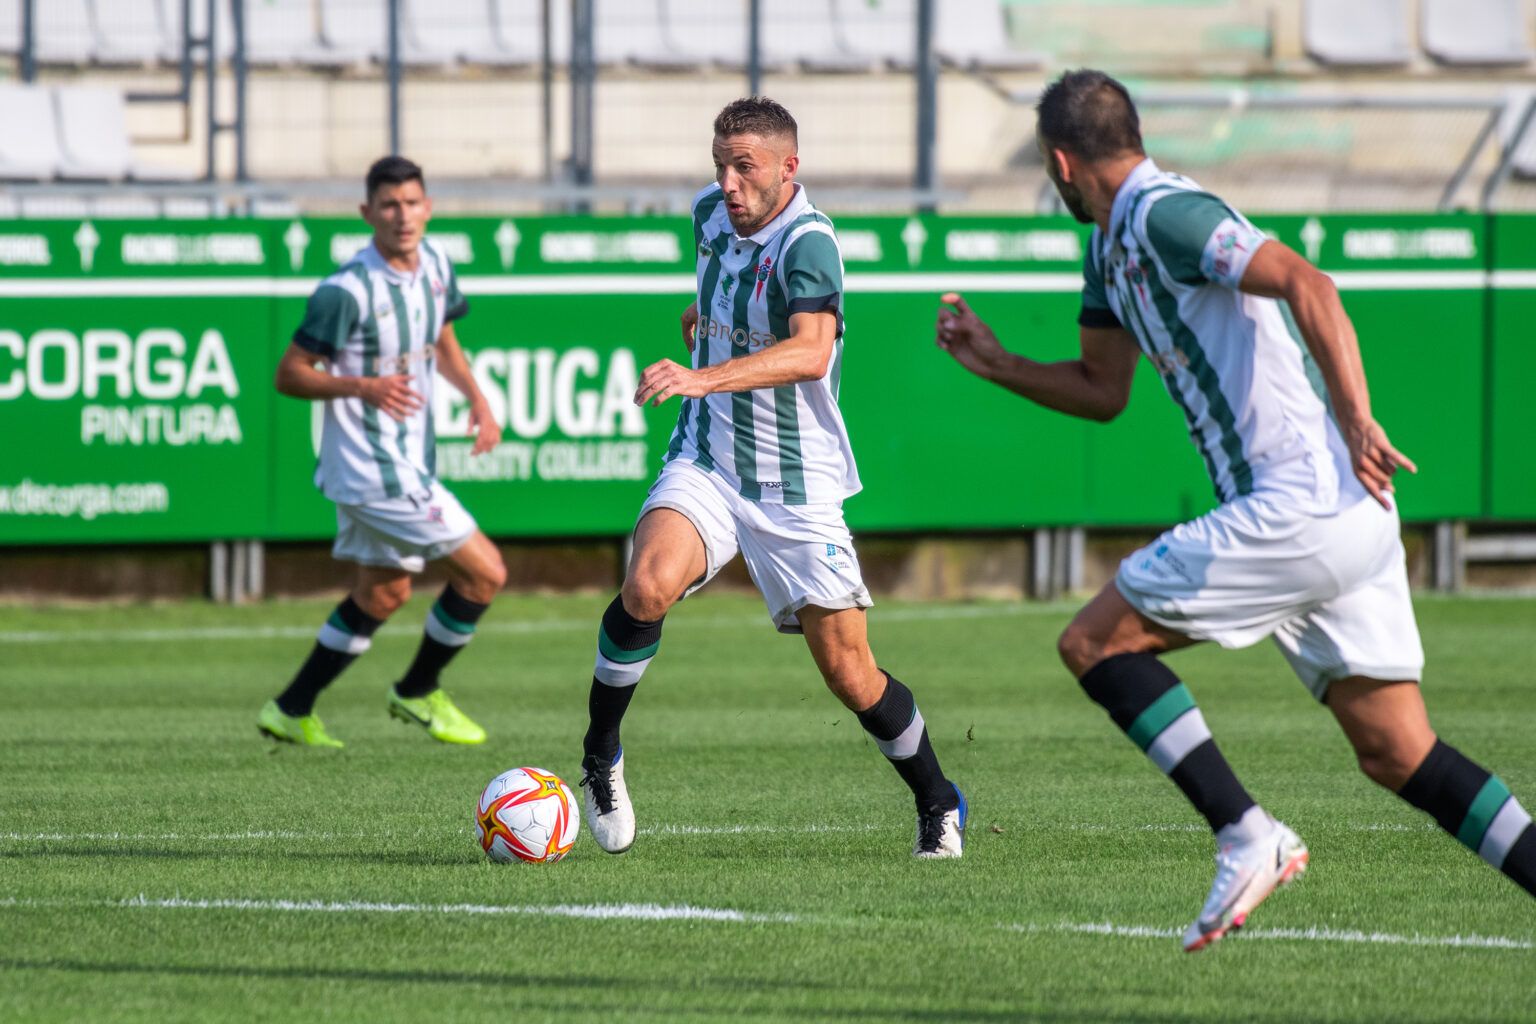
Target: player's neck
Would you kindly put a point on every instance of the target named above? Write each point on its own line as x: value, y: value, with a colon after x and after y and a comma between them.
x: 400, y: 260
x: 1103, y: 185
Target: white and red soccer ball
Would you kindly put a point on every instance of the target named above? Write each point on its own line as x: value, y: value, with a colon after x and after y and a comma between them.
x: 527, y: 814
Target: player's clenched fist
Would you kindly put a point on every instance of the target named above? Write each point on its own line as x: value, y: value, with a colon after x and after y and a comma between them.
x: 662, y: 380
x: 964, y: 335
x: 393, y: 394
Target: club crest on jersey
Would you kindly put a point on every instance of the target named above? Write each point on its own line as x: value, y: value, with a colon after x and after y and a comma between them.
x: 437, y: 288
x: 434, y: 513
x: 763, y: 270
x: 383, y: 309
x: 705, y: 250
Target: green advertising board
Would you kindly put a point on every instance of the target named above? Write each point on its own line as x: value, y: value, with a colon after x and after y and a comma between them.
x: 136, y: 361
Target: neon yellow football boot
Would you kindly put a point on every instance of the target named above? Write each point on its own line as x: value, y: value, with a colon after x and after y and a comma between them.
x: 306, y: 730
x: 438, y: 715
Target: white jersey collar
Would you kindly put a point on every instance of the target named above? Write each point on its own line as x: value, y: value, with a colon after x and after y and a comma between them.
x: 393, y: 274
x: 797, y: 205
x: 1127, y: 191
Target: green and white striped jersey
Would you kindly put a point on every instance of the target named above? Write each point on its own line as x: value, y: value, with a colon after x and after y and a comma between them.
x: 1168, y: 270
x: 786, y: 444
x: 369, y: 319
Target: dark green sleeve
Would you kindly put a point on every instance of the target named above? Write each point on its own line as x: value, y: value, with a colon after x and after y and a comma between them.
x: 1095, y: 311
x: 813, y: 276
x: 329, y: 320
x: 455, y: 305
x: 1198, y: 238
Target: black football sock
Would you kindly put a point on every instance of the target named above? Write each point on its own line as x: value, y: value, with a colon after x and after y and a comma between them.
x: 345, y: 635
x: 1477, y: 808
x: 449, y: 628
x: 625, y: 646
x: 902, y: 736
x: 1156, y: 711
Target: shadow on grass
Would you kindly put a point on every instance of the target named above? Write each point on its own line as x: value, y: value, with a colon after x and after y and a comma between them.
x: 581, y: 988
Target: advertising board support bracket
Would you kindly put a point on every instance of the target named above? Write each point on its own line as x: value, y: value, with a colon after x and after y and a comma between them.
x: 1056, y: 561
x: 236, y: 571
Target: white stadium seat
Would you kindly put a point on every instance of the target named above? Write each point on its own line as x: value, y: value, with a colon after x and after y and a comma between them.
x: 355, y: 31
x: 519, y: 27
x: 972, y: 35
x: 10, y: 27
x: 885, y: 30
x: 1360, y: 33
x: 803, y: 32
x: 29, y: 147
x: 277, y: 32
x: 1476, y: 32
x: 708, y: 30
x: 139, y: 31
x: 93, y: 133
x: 62, y: 32
x: 449, y: 31
x: 631, y: 32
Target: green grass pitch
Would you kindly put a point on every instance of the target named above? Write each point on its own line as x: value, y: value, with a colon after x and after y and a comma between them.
x: 160, y: 861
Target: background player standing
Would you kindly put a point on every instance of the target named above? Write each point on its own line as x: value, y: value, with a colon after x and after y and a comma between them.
x: 759, y: 463
x: 383, y: 325
x: 1305, y: 544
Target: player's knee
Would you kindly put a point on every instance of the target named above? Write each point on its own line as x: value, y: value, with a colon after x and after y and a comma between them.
x: 647, y: 597
x: 1078, y: 649
x: 493, y: 577
x: 1385, y: 762
x: 384, y: 599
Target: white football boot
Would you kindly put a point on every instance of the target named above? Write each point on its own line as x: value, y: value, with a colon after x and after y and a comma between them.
x: 605, y: 804
x: 941, y: 833
x: 1246, y: 873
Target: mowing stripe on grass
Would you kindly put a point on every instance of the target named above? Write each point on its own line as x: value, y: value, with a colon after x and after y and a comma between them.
x: 1313, y: 934
x: 927, y: 613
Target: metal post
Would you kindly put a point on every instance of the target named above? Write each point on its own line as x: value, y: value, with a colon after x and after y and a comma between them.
x: 926, y: 176
x: 237, y: 19
x: 754, y: 47
x: 210, y: 69
x: 256, y: 570
x: 237, y: 569
x: 1040, y: 565
x: 547, y: 89
x: 583, y: 73
x: 1077, y: 550
x: 1448, y: 197
x: 1450, y: 563
x: 28, y: 40
x: 1507, y: 158
x: 394, y: 77
x: 218, y: 571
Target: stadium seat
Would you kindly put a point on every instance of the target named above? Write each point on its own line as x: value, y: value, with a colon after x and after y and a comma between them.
x: 29, y: 147
x: 137, y: 31
x: 1476, y: 32
x: 971, y: 35
x: 277, y: 32
x: 885, y: 31
x: 62, y: 32
x: 450, y: 31
x: 632, y: 32
x: 1360, y: 33
x: 708, y: 30
x: 803, y: 32
x: 10, y: 27
x: 519, y: 28
x: 355, y: 31
x: 93, y: 133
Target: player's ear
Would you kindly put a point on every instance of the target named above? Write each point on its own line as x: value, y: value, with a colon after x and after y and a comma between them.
x: 791, y: 165
x: 427, y: 205
x: 363, y: 210
x: 1063, y: 165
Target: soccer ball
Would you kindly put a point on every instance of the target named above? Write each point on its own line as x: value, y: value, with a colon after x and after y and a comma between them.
x: 527, y: 814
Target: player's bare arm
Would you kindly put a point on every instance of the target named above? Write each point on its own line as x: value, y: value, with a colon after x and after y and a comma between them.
x: 1279, y: 272
x: 455, y: 370
x: 689, y: 322
x: 299, y: 377
x: 803, y: 356
x: 1095, y: 386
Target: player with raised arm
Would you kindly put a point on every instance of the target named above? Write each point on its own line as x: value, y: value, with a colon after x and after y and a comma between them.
x: 382, y: 326
x: 1254, y: 346
x: 759, y: 463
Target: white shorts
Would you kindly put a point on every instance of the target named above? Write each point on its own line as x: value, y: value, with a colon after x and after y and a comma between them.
x: 403, y: 533
x: 797, y: 555
x: 1331, y: 590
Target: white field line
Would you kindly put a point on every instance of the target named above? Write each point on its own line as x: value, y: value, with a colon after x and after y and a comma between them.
x: 659, y: 831
x: 688, y: 912
x: 593, y: 911
x: 1313, y: 934
x: 934, y: 613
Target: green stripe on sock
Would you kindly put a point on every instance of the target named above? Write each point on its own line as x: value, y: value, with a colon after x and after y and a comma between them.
x: 335, y: 622
x: 451, y: 623
x: 1481, y: 814
x: 613, y: 652
x: 1163, y: 713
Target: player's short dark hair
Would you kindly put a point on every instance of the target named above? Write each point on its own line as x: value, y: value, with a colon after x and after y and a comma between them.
x: 757, y: 115
x: 1089, y: 114
x: 393, y: 170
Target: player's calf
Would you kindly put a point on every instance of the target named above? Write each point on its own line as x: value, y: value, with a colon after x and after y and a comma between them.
x: 899, y: 731
x: 346, y: 635
x: 1478, y: 809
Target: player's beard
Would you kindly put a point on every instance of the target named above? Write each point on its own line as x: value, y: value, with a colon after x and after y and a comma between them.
x: 758, y: 210
x: 1073, y: 200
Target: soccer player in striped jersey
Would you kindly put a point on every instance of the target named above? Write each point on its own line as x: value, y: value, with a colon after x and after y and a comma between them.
x: 374, y: 335
x: 1254, y: 346
x: 759, y: 464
